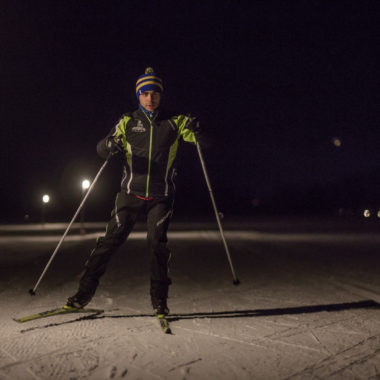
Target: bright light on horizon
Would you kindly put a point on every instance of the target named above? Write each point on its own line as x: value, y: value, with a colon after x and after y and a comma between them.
x: 337, y: 142
x: 85, y: 184
x: 45, y: 198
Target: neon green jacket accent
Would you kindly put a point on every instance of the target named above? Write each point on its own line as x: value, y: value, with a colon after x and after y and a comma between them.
x: 150, y: 148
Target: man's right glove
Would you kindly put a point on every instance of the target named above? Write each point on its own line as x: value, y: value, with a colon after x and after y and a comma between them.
x: 114, y: 145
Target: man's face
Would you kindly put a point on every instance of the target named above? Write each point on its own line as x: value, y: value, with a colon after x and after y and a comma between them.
x: 150, y: 100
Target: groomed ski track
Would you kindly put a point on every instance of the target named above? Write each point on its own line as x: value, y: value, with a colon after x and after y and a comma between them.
x: 307, y: 306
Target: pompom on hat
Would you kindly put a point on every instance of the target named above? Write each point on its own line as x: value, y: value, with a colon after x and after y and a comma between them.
x: 148, y: 82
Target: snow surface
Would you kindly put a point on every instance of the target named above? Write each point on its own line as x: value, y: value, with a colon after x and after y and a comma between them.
x: 306, y: 307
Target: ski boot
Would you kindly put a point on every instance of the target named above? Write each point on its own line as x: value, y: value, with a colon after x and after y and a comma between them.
x: 76, y: 302
x: 161, y: 308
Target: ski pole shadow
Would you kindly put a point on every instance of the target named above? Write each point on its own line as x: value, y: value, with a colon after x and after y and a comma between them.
x: 307, y: 309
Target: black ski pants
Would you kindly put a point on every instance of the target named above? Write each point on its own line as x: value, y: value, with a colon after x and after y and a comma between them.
x: 127, y: 208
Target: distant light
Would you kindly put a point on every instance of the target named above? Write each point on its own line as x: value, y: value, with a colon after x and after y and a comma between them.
x: 45, y: 198
x: 337, y: 142
x: 85, y: 184
x: 378, y: 214
x: 367, y: 213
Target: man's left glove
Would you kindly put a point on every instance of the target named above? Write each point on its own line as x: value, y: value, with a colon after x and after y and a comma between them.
x: 194, y: 126
x: 201, y: 137
x: 114, y: 145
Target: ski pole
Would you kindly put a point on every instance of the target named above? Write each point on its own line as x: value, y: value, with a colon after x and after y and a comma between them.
x: 32, y: 292
x: 235, y: 279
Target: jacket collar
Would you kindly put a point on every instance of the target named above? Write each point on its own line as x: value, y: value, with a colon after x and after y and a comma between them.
x: 151, y: 115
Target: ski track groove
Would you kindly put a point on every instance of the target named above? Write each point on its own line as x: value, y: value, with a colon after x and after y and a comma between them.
x: 100, y: 371
x: 299, y: 330
x: 325, y: 363
x: 300, y: 346
x: 220, y: 337
x: 16, y: 360
x: 53, y: 352
x: 360, y: 360
x: 325, y: 349
x: 138, y: 368
x: 185, y: 364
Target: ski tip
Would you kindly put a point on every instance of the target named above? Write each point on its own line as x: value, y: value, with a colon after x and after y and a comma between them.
x: 32, y: 292
x: 236, y: 282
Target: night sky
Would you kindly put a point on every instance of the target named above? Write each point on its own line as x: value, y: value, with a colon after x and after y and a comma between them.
x: 287, y: 90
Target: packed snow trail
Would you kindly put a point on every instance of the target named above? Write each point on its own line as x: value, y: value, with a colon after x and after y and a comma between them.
x: 306, y: 307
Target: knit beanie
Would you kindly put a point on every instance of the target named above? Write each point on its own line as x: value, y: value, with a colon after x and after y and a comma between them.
x: 148, y: 82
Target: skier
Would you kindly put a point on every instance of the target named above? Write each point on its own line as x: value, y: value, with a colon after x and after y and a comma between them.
x: 149, y: 141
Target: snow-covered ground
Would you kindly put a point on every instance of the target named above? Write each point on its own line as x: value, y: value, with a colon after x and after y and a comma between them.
x: 306, y: 307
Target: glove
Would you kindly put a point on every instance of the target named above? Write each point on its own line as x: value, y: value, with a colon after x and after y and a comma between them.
x: 114, y: 145
x: 193, y: 125
x: 201, y: 137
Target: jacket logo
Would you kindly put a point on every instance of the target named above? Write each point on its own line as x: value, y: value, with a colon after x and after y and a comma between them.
x: 139, y: 127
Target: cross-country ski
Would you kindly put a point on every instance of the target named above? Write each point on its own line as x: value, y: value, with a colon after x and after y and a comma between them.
x: 58, y: 311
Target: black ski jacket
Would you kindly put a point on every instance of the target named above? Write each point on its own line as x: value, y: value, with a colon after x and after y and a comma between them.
x: 150, y: 148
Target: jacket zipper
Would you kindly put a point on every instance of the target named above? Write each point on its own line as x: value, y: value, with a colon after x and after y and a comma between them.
x: 150, y: 158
